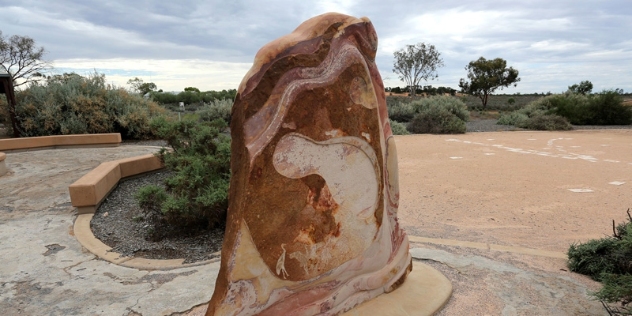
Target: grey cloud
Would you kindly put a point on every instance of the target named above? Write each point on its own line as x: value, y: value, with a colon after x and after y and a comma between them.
x: 542, y: 35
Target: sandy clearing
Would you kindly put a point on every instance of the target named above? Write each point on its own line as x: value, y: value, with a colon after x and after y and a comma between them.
x: 515, y: 188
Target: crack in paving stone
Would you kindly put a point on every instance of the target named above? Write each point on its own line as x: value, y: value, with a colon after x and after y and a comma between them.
x: 132, y: 312
x: 53, y: 249
x: 153, y: 279
x: 76, y: 264
x: 195, y: 310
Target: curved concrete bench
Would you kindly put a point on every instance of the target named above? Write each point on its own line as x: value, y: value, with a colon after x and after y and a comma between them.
x: 60, y: 141
x: 89, y: 191
x: 3, y: 165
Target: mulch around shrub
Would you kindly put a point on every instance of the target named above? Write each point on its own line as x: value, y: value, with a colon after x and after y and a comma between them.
x: 120, y: 224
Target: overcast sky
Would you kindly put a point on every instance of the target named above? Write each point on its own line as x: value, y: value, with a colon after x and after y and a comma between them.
x: 210, y: 44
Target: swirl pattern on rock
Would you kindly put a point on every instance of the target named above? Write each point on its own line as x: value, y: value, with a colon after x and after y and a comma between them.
x: 312, y: 223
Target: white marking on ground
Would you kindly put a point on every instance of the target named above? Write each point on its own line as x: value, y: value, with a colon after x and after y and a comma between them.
x: 489, y: 154
x: 581, y: 190
x: 561, y: 152
x: 456, y: 157
x: 616, y: 183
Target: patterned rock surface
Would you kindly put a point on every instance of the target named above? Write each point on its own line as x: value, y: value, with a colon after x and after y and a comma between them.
x: 312, y: 223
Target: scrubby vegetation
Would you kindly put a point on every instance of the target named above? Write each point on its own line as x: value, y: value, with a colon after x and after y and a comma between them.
x: 74, y: 104
x: 436, y: 115
x: 605, y: 108
x: 608, y: 260
x: 217, y: 109
x: 191, y: 96
x: 501, y: 102
x: 196, y: 195
x: 399, y: 128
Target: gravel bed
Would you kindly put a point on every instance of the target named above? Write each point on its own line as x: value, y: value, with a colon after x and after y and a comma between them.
x: 155, y: 142
x: 120, y: 224
x: 489, y: 126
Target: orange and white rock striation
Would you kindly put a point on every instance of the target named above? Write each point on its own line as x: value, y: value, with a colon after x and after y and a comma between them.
x: 312, y: 223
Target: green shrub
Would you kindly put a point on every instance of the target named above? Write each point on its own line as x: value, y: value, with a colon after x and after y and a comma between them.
x: 608, y: 260
x: 73, y: 104
x: 574, y: 107
x: 196, y: 195
x: 435, y: 120
x: 217, y: 109
x: 547, y: 123
x: 401, y: 112
x: 451, y: 104
x: 399, y: 128
x: 515, y: 118
x: 607, y: 108
x: 616, y: 290
x: 150, y: 199
x: 438, y: 115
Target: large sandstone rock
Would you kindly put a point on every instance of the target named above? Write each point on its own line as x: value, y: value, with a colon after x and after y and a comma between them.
x: 312, y: 224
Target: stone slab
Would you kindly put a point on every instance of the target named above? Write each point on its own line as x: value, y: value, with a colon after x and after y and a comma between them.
x: 491, y: 247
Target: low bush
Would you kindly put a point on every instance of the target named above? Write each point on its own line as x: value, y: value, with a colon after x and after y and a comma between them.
x: 607, y: 260
x: 438, y: 115
x: 607, y: 108
x: 399, y: 128
x: 574, y: 107
x: 451, y: 104
x: 196, y: 195
x: 401, y: 112
x: 550, y: 122
x: 435, y: 120
x: 515, y: 118
x: 73, y: 104
x: 218, y: 109
x: 537, y: 115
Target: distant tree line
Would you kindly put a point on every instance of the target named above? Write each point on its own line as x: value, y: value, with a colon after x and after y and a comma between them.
x: 428, y: 90
x: 192, y: 95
